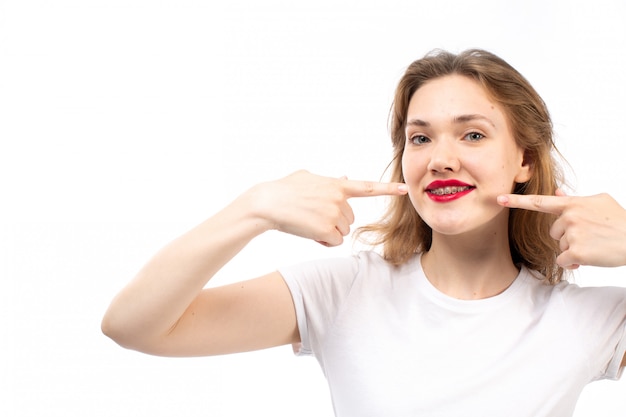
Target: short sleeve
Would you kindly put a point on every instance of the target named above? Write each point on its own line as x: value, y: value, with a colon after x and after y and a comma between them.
x: 614, y: 369
x: 600, y: 318
x: 318, y: 289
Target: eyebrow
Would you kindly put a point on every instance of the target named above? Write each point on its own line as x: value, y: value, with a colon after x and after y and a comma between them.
x: 464, y: 118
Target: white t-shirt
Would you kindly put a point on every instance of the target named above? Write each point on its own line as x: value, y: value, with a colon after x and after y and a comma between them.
x: 390, y: 344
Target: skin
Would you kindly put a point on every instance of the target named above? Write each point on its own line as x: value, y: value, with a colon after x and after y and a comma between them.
x: 455, y: 132
x: 165, y: 309
x: 590, y: 230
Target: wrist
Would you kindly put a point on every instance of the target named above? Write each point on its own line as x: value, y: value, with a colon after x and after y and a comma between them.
x: 256, y: 206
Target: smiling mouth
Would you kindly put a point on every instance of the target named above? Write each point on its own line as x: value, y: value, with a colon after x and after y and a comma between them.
x: 449, y: 190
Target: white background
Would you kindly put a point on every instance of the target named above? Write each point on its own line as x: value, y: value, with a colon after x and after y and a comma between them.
x: 124, y: 123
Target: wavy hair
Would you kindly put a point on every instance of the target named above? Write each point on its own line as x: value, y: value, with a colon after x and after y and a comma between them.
x: 402, y: 232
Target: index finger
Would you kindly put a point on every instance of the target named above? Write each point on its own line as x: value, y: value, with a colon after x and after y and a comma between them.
x: 543, y: 203
x: 354, y: 188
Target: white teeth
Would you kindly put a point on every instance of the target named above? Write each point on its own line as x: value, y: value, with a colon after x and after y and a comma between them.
x: 449, y: 190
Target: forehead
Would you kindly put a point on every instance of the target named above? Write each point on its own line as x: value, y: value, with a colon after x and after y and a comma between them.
x: 450, y: 96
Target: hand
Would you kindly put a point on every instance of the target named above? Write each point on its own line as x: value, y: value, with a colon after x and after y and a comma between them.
x: 316, y: 207
x: 590, y: 230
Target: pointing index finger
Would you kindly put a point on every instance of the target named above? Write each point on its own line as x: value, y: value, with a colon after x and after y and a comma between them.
x: 354, y: 188
x: 542, y: 203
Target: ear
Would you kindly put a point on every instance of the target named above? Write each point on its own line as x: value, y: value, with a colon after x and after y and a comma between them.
x: 526, y: 168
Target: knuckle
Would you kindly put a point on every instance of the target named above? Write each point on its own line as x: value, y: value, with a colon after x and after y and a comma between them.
x: 537, y: 201
x: 337, y: 194
x: 555, y: 233
x: 329, y: 230
x: 299, y: 172
x: 335, y: 239
x: 568, y: 218
x: 575, y: 257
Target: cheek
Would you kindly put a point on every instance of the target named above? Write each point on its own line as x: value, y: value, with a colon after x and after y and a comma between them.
x: 413, y: 174
x: 507, y: 183
x: 406, y: 173
x: 412, y: 169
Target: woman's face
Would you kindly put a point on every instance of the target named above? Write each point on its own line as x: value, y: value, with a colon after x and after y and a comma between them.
x: 460, y: 155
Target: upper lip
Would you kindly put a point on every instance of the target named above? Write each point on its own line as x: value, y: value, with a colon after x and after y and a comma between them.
x: 446, y: 183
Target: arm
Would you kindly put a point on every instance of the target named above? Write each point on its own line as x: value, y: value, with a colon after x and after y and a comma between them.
x: 590, y: 230
x: 166, y: 311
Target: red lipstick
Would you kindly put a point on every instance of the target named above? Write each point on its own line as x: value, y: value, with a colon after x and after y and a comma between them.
x: 443, y: 191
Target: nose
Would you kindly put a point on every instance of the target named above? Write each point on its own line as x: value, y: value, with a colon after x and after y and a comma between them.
x: 444, y: 158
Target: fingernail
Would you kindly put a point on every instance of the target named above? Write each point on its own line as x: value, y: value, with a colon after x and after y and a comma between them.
x: 403, y: 188
x: 502, y: 199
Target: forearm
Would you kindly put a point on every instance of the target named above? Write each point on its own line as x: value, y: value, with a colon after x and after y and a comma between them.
x: 150, y: 305
x: 144, y: 314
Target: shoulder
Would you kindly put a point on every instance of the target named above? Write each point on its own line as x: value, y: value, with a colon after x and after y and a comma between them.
x: 352, y: 265
x: 575, y: 299
x: 593, y: 299
x: 365, y: 267
x: 329, y: 270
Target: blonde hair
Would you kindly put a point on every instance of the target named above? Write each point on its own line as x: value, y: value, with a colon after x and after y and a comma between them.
x: 402, y: 232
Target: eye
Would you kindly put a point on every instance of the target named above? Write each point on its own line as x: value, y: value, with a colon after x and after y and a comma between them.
x: 419, y: 139
x: 474, y: 136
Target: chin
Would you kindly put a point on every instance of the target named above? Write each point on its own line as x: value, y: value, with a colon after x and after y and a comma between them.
x: 448, y: 228
x: 449, y: 231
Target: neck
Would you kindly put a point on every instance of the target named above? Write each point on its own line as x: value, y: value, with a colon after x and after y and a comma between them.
x: 471, y: 266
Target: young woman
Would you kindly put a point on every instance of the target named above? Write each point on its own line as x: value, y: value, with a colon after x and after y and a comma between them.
x: 465, y: 312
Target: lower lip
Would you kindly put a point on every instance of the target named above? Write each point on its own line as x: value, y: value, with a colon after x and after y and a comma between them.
x: 448, y: 197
